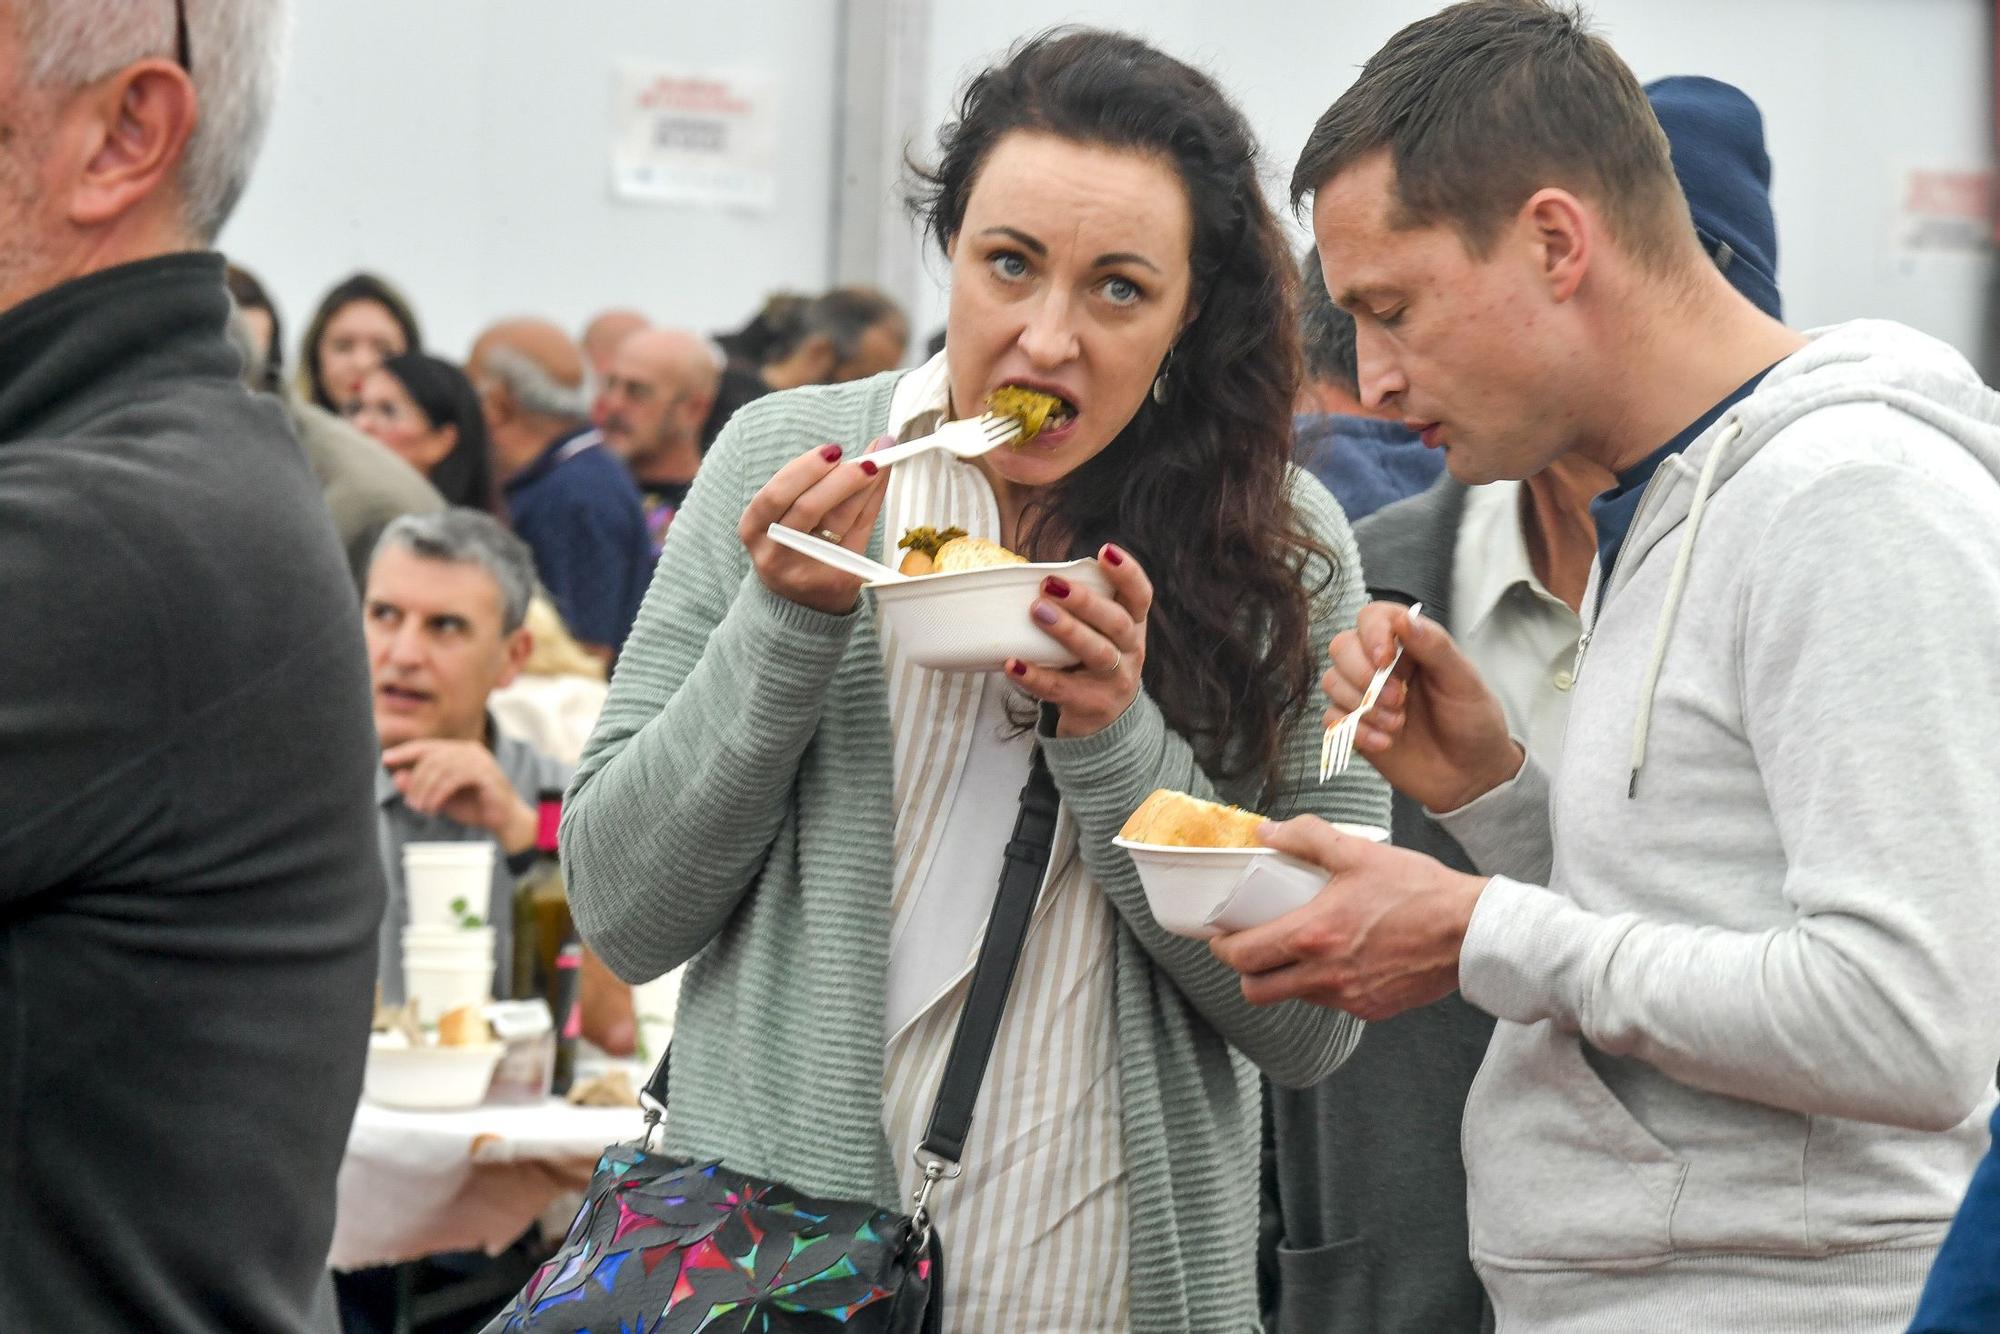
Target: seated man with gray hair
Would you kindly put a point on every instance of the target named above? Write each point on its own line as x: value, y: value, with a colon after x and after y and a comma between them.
x: 445, y: 612
x: 569, y: 497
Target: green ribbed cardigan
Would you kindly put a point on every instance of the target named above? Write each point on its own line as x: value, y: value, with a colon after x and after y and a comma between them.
x: 734, y: 808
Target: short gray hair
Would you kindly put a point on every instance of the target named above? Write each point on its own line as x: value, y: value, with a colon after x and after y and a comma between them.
x: 237, y: 48
x: 531, y: 385
x: 1326, y: 332
x: 470, y: 537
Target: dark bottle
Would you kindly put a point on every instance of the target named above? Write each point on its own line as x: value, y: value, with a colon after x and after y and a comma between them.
x: 541, y: 908
x: 566, y: 1006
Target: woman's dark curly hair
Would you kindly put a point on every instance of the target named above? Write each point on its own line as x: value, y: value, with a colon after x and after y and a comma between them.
x: 1196, y: 485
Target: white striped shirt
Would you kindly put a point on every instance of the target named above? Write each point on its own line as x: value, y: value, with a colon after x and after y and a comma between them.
x: 1034, y: 1232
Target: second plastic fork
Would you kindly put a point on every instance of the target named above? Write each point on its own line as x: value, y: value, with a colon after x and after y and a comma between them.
x: 1336, y: 747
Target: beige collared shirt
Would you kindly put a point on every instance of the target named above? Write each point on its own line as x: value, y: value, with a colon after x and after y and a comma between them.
x: 1035, y: 1230
x: 1521, y: 636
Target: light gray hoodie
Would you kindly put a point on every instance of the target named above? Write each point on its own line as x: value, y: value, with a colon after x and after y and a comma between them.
x: 1749, y: 1029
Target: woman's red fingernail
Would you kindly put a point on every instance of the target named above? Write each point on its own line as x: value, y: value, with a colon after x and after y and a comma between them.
x: 1113, y: 557
x: 1055, y: 588
x: 831, y: 453
x: 869, y: 468
x: 1017, y: 668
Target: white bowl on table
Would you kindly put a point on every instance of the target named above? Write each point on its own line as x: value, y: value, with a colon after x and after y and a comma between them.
x: 975, y: 620
x: 1206, y: 892
x: 428, y: 1079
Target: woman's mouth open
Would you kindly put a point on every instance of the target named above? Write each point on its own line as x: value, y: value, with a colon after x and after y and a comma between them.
x: 1046, y: 415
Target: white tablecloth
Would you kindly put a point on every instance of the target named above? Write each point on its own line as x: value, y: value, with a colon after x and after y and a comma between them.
x: 418, y: 1183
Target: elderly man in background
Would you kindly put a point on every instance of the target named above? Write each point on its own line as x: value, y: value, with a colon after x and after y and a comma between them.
x: 568, y: 496
x: 1365, y: 456
x: 848, y: 334
x: 191, y: 890
x: 445, y: 614
x: 599, y: 343
x: 661, y: 386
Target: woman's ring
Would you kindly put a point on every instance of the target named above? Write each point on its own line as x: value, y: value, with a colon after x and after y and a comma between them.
x: 828, y: 535
x: 1118, y: 659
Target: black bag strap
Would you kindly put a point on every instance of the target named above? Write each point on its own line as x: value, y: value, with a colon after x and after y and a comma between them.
x: 1022, y: 869
x: 1023, y: 866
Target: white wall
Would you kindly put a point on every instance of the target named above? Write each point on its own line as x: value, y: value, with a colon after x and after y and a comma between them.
x: 1851, y: 90
x: 461, y: 148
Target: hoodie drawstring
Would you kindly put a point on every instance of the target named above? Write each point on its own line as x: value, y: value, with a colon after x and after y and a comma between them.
x: 1664, y: 635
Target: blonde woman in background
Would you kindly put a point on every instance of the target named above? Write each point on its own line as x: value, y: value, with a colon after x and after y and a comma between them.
x: 555, y: 700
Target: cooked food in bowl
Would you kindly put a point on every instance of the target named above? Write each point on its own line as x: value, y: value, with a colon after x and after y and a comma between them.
x: 1172, y: 819
x: 1032, y: 408
x: 951, y: 551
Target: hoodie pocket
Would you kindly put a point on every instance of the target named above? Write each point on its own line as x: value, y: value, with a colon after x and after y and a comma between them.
x: 1557, y: 1171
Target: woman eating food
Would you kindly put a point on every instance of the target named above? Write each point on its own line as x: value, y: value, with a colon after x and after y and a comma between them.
x: 777, y: 794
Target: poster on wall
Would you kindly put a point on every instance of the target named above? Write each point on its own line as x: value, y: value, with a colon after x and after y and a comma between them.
x: 694, y: 137
x: 1943, y: 218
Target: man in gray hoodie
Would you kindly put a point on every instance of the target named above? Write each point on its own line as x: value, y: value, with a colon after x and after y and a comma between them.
x: 1738, y: 944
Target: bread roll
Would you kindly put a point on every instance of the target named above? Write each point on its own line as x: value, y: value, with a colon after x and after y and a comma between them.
x: 928, y: 551
x: 974, y: 553
x: 464, y: 1027
x: 1176, y: 820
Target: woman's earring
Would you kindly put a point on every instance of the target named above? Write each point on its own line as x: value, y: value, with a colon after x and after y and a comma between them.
x: 1160, y: 380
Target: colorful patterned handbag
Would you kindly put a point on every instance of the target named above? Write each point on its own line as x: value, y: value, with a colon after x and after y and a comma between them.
x: 666, y: 1246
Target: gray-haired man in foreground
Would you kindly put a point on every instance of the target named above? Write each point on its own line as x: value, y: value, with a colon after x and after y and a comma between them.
x: 188, y: 883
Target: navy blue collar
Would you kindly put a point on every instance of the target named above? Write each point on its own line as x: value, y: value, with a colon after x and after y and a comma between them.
x: 560, y: 451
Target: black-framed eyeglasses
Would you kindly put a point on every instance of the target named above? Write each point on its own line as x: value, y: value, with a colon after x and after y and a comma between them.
x: 181, y: 37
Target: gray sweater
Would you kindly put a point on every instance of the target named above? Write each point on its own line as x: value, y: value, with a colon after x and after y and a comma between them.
x: 1747, y: 1040
x: 734, y: 808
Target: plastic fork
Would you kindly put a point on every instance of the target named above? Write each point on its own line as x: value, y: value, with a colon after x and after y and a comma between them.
x: 1336, y: 748
x: 967, y: 439
x: 830, y: 553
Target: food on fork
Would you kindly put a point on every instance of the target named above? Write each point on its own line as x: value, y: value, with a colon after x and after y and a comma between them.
x: 1032, y: 408
x: 1177, y: 820
x: 950, y: 551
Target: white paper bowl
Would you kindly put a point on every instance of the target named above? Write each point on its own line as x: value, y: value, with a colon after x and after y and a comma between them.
x: 430, y: 1079
x: 1204, y: 892
x: 974, y: 620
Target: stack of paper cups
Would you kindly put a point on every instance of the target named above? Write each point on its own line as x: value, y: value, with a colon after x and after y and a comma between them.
x: 448, y: 957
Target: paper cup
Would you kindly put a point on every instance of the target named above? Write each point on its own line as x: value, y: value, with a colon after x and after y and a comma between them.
x: 440, y: 989
x: 475, y: 938
x: 437, y: 876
